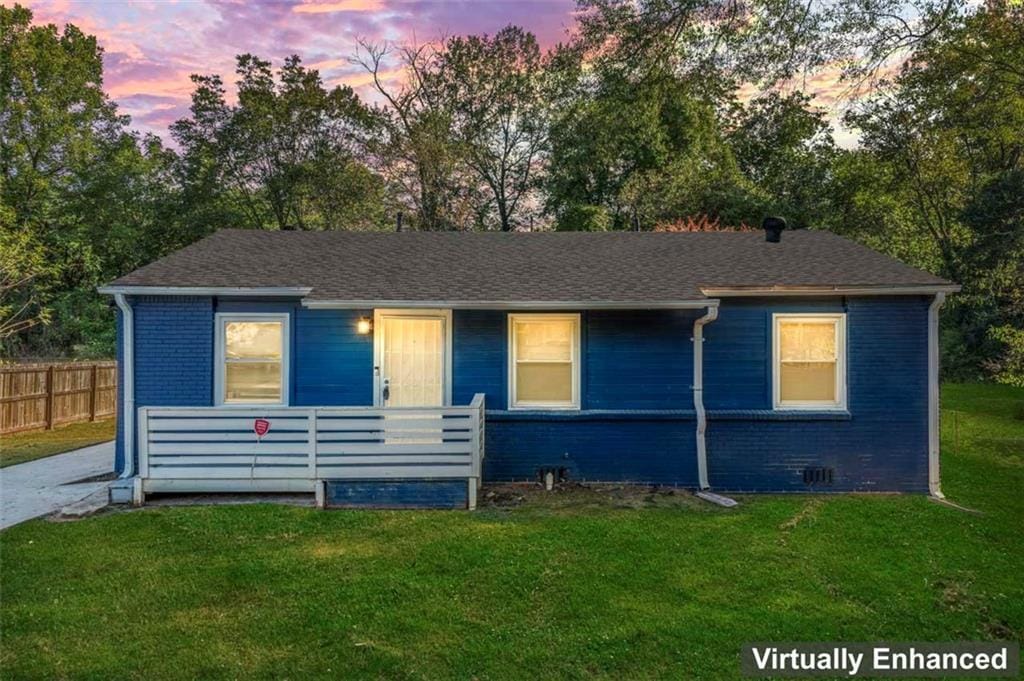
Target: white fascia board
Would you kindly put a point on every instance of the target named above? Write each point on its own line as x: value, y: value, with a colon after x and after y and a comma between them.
x: 261, y: 292
x: 512, y: 305
x: 830, y: 291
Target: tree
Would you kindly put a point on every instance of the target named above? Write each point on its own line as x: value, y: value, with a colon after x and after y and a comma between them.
x: 495, y: 90
x: 785, y: 148
x: 726, y: 42
x: 942, y: 151
x: 55, y: 127
x: 416, y: 149
x: 286, y: 155
x: 645, y: 150
x: 21, y: 263
x: 53, y: 102
x: 82, y: 199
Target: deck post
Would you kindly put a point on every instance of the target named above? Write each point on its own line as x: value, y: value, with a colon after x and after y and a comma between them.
x: 143, y: 444
x: 312, y: 435
x: 138, y: 495
x: 478, y: 432
x: 471, y: 499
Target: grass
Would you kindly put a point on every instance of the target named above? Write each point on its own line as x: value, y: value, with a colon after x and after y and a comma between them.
x: 21, y: 447
x: 585, y: 584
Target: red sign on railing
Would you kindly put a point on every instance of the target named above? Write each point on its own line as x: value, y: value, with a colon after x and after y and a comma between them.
x: 261, y: 426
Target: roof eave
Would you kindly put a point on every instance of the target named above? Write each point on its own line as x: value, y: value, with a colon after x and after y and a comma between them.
x: 514, y: 304
x: 241, y: 291
x: 762, y: 291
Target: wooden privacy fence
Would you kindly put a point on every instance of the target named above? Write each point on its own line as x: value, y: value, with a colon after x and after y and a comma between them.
x: 45, y: 395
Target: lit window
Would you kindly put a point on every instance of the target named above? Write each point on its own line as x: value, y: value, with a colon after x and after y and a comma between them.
x: 809, y: 354
x: 252, y: 350
x: 544, y: 361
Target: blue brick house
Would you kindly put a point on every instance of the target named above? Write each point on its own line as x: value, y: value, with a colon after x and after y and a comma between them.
x: 404, y: 369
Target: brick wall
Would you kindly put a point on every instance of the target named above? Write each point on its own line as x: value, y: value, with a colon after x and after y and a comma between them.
x: 397, y: 493
x: 173, y: 355
x: 637, y: 422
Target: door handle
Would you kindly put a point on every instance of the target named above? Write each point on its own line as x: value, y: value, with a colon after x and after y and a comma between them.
x: 386, y: 392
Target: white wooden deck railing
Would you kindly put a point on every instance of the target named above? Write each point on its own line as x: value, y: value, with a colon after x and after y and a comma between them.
x: 212, y: 449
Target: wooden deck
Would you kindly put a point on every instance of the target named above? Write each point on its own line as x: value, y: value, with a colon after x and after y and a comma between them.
x: 217, y: 449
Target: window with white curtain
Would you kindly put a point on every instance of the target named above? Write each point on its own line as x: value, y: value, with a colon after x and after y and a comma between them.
x: 544, y: 361
x: 252, y: 359
x: 810, y: 361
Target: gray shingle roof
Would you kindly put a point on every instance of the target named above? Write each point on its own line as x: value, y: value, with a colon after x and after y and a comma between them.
x: 523, y: 267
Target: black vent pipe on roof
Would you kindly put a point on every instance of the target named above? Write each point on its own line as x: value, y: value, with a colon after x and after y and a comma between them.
x: 773, y: 227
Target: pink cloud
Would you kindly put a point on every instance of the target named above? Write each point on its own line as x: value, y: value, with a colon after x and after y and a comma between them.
x: 344, y: 6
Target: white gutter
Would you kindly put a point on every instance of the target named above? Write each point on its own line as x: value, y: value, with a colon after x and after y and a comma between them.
x: 511, y: 305
x: 698, y: 392
x: 934, y: 481
x: 128, y: 389
x: 741, y: 291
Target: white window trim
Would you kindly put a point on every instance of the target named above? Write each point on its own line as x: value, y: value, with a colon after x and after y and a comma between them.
x: 513, y: 404
x: 221, y: 320
x: 840, y: 403
x: 445, y: 315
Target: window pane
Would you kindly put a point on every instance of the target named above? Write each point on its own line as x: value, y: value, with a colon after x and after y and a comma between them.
x: 544, y: 340
x: 807, y: 382
x: 546, y: 382
x: 807, y: 341
x: 246, y: 340
x: 252, y: 382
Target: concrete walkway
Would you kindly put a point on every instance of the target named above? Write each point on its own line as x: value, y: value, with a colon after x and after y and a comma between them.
x: 36, y: 488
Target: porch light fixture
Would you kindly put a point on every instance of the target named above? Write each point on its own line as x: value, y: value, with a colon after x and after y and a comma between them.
x: 364, y: 326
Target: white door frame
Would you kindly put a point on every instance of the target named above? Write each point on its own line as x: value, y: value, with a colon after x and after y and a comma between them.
x: 378, y: 346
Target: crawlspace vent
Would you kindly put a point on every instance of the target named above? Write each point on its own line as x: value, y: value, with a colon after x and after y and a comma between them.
x: 818, y: 476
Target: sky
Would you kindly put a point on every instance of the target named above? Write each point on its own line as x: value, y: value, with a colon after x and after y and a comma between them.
x: 151, y: 48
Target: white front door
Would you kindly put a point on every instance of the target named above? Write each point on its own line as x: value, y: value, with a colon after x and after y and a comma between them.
x: 411, y: 358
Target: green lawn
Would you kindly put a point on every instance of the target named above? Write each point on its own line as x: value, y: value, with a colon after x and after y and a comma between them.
x: 22, y: 447
x: 567, y: 586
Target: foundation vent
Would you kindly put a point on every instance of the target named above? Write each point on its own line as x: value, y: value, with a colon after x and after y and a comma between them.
x: 818, y: 476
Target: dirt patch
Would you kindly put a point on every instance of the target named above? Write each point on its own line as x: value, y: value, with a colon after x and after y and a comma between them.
x: 325, y: 550
x: 957, y: 595
x: 574, y: 494
x: 806, y: 512
x: 954, y: 594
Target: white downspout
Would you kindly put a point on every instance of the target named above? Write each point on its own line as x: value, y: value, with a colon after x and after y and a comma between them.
x: 698, y: 392
x: 128, y: 391
x: 934, y: 482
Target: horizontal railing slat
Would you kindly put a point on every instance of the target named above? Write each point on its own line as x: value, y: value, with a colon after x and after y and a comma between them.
x: 230, y: 436
x: 369, y: 472
x: 394, y: 459
x: 251, y: 448
x: 345, y: 425
x: 158, y: 423
x: 393, y: 412
x: 395, y: 436
x: 194, y: 461
x: 394, y: 448
x: 268, y: 472
x: 229, y: 412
